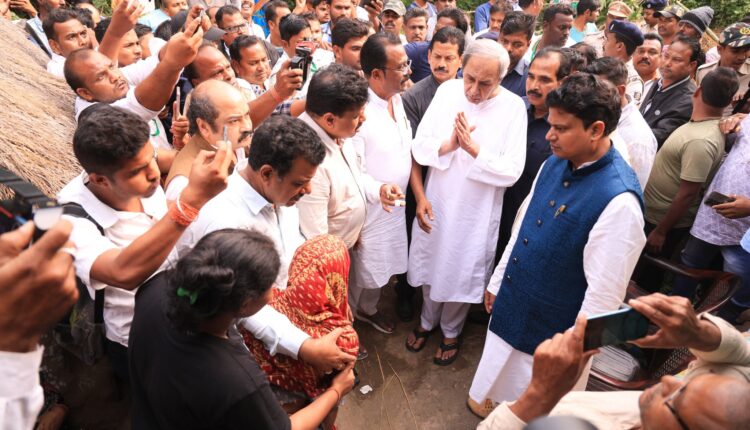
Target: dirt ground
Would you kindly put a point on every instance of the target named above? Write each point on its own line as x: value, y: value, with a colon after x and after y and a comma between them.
x: 411, y: 392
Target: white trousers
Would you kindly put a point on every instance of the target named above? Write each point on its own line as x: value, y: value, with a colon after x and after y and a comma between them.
x: 450, y: 315
x: 363, y: 300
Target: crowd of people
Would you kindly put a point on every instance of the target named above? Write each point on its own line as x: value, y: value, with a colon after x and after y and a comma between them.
x: 255, y: 174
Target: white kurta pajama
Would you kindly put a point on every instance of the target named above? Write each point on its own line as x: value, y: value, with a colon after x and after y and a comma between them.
x: 455, y: 259
x: 384, y: 149
x: 612, y: 250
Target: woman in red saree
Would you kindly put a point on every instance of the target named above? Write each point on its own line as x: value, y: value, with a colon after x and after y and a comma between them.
x: 315, y: 301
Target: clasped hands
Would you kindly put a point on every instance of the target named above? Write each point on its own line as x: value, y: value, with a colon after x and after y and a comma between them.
x: 461, y: 137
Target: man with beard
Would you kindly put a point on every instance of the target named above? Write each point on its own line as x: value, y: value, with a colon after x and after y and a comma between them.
x: 647, y: 59
x: 734, y: 50
x: 415, y: 24
x: 557, y: 21
x: 649, y: 20
x: 669, y: 19
x: 347, y: 39
x: 471, y: 165
x: 515, y: 36
x: 338, y: 9
x: 446, y: 50
x: 714, y: 392
x: 695, y: 22
x: 669, y: 103
x: 383, y: 145
x: 215, y: 106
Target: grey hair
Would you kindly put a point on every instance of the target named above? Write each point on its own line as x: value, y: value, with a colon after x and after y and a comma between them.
x: 490, y: 49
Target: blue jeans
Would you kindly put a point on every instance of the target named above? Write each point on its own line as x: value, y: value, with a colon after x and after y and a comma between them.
x: 698, y: 254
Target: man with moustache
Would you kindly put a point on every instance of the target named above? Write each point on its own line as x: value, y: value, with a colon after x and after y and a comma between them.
x: 586, y: 201
x: 383, y: 145
x: 669, y: 103
x: 471, y: 165
x: 392, y: 18
x: 545, y: 74
x: 446, y: 50
x: 647, y: 59
x: 734, y: 51
x: 669, y: 19
x: 234, y: 24
x: 214, y: 106
x: 418, y: 51
x: 516, y: 33
x: 66, y: 33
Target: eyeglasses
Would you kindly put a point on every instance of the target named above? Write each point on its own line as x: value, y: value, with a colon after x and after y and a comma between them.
x: 403, y: 69
x: 669, y: 403
x: 237, y: 28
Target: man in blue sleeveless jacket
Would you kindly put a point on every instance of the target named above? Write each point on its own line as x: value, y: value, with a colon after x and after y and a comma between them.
x: 574, y: 245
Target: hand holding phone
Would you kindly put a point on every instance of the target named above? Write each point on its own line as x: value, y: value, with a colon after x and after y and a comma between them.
x: 613, y: 328
x: 716, y: 198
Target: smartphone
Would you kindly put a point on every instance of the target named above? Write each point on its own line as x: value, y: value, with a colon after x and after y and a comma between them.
x: 615, y: 327
x: 363, y: 3
x: 716, y: 199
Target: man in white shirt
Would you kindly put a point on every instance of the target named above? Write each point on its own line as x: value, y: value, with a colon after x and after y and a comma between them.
x: 38, y: 288
x: 383, y: 145
x: 585, y: 201
x: 470, y: 166
x: 337, y: 204
x: 65, y: 33
x: 119, y: 190
x: 632, y: 130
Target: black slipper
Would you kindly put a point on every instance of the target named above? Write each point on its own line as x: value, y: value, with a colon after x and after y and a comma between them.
x: 445, y: 348
x: 417, y: 336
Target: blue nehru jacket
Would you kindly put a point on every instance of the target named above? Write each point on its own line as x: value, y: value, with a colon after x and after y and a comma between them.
x: 544, y: 283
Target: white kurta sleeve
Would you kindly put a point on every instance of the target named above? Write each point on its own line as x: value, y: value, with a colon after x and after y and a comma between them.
x: 426, y: 144
x: 370, y: 185
x: 21, y: 395
x: 611, y: 253
x: 276, y: 332
x: 313, y: 208
x: 503, y: 168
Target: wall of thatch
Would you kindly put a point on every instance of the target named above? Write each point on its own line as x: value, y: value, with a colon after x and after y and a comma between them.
x: 36, y: 114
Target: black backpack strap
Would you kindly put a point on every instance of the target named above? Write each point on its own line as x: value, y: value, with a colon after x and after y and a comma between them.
x: 76, y: 210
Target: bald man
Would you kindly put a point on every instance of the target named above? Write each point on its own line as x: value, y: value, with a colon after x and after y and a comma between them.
x: 214, y: 105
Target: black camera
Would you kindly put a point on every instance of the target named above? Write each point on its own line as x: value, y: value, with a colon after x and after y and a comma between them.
x: 27, y: 203
x: 302, y: 60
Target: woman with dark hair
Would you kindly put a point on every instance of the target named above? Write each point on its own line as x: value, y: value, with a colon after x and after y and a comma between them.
x: 189, y: 367
x: 315, y: 300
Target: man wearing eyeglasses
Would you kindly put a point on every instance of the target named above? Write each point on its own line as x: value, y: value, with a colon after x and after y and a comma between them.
x: 713, y: 394
x: 383, y: 145
x: 231, y: 21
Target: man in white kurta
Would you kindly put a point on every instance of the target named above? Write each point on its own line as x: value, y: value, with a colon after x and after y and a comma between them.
x: 383, y: 144
x: 473, y: 138
x: 584, y: 183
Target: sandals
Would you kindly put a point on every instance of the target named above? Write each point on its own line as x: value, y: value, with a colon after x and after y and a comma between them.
x: 378, y: 321
x: 445, y: 348
x: 418, y: 334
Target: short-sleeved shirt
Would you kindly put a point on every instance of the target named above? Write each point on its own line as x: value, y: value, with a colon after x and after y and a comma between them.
x: 184, y: 380
x: 692, y: 153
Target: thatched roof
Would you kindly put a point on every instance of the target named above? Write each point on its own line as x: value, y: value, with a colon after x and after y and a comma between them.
x: 36, y: 114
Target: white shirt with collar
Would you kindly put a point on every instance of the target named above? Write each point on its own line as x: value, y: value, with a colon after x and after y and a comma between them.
x: 340, y: 192
x: 56, y: 66
x: 383, y: 145
x: 634, y: 134
x: 135, y: 74
x: 21, y: 395
x: 241, y: 206
x: 120, y: 230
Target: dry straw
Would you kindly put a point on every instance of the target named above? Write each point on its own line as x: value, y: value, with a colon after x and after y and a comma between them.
x: 37, y: 120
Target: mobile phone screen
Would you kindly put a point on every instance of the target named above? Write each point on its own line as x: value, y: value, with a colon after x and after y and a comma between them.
x: 614, y: 327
